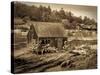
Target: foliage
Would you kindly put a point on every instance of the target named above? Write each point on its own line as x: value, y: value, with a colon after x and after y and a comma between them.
x: 46, y: 14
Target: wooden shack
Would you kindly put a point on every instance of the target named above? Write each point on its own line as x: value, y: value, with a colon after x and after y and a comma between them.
x: 49, y: 33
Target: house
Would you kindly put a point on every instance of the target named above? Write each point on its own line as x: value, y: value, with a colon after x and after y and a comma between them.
x: 89, y: 27
x: 48, y: 33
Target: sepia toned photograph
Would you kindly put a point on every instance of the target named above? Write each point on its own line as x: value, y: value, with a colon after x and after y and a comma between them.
x: 48, y: 37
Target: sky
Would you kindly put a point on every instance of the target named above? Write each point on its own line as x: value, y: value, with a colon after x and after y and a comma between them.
x: 77, y: 10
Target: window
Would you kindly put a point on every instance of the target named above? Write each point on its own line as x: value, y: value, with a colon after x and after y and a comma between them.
x: 42, y: 42
x: 45, y: 41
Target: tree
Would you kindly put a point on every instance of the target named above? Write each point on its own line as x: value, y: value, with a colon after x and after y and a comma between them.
x: 62, y: 14
x: 77, y: 19
x: 69, y: 16
x: 21, y: 10
x: 49, y: 10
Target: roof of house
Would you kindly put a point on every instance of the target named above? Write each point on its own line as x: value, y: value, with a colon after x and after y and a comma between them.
x: 48, y: 29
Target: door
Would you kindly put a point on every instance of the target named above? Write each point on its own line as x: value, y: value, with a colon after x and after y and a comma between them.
x: 59, y: 43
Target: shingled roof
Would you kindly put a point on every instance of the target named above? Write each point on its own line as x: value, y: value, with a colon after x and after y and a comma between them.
x: 48, y: 29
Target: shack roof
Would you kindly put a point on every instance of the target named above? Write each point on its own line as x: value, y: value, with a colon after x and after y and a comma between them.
x: 48, y: 29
